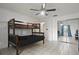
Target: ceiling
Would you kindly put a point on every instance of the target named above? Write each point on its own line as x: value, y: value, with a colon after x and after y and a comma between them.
x: 61, y: 8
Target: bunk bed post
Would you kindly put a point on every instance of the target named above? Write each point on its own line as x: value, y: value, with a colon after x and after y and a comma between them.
x: 43, y: 39
x: 32, y: 28
x: 39, y: 28
x: 8, y: 34
x: 15, y: 37
x: 14, y: 27
x: 17, y: 45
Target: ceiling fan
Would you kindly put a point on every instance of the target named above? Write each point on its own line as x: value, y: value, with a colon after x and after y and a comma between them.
x: 43, y: 10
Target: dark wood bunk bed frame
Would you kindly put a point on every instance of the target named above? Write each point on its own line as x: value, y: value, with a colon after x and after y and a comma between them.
x: 20, y: 41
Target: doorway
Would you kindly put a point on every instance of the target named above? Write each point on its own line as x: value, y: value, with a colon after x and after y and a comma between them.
x: 65, y: 33
x: 66, y: 30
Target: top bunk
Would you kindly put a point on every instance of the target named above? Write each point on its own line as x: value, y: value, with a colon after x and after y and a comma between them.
x: 22, y: 25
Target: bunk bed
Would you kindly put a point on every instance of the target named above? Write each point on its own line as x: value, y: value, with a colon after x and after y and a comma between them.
x: 19, y: 41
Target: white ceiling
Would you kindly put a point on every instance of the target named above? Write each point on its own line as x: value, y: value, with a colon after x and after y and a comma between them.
x: 61, y: 8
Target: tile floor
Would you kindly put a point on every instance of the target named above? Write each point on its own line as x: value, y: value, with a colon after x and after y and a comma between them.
x: 49, y: 48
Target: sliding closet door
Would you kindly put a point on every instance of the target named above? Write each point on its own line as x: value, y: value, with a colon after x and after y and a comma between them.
x: 3, y: 34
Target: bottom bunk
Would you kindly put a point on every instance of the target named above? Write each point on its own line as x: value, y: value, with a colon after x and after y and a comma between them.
x: 21, y: 41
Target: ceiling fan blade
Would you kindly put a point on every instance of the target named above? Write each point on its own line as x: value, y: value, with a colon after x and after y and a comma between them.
x: 34, y: 9
x: 51, y: 10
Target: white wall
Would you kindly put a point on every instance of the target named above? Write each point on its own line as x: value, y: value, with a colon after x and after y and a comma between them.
x: 51, y: 26
x: 6, y: 15
x: 3, y: 34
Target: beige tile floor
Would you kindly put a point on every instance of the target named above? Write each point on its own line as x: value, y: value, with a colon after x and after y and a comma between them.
x: 49, y: 48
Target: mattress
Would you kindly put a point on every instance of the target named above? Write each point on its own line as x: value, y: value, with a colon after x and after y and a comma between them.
x: 24, y: 40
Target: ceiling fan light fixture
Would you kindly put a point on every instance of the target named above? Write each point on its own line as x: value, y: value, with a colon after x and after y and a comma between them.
x: 43, y: 13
